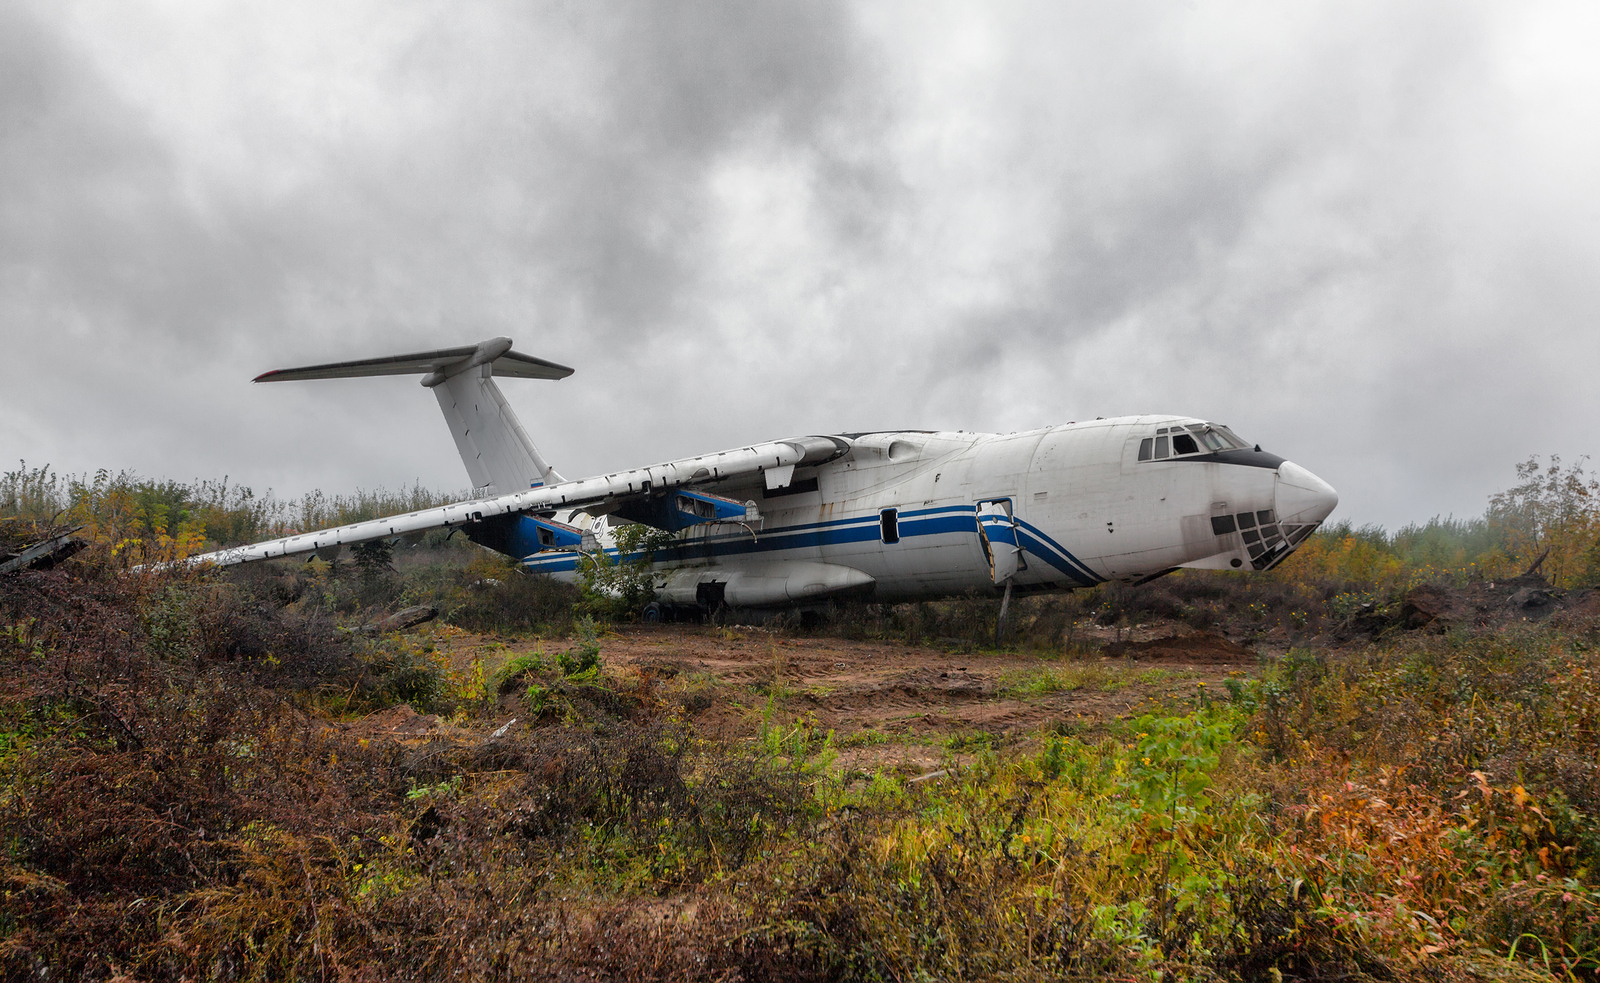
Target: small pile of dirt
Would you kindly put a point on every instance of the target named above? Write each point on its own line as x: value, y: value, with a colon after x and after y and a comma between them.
x: 1200, y: 649
x: 1431, y: 604
x: 1526, y: 598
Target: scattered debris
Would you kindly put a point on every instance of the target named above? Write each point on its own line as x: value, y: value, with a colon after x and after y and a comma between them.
x: 401, y: 620
x: 1530, y: 598
x: 44, y: 554
x: 1437, y: 608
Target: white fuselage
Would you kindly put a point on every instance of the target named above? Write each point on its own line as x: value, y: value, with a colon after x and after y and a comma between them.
x: 911, y: 515
x: 892, y: 516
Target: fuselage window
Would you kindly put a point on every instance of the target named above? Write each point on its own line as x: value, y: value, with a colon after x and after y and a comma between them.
x: 1161, y: 448
x: 1144, y: 448
x: 1184, y: 444
x: 889, y: 525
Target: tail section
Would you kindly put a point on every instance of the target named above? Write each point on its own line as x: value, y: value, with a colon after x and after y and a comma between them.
x: 494, y: 447
x: 496, y: 450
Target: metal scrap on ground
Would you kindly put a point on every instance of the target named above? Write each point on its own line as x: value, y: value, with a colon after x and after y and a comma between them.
x: 45, y: 553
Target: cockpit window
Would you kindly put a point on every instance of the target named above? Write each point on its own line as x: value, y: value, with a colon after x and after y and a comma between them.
x: 1227, y: 435
x: 1189, y: 438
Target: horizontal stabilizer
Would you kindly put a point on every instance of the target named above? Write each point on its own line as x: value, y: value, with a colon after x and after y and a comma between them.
x: 437, y: 365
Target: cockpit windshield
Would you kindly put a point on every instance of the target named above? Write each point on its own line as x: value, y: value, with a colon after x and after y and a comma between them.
x: 1189, y: 438
x: 1220, y: 432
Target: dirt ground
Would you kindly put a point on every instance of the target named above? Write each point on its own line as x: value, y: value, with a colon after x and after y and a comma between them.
x: 890, y: 705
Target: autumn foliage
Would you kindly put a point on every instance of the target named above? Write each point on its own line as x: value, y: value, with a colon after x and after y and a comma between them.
x: 186, y: 790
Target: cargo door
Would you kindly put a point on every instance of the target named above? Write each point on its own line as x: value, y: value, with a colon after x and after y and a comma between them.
x: 997, y: 532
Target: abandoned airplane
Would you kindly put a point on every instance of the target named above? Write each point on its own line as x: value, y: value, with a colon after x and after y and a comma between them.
x: 895, y: 516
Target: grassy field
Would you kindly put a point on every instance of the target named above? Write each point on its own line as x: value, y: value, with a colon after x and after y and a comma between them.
x: 226, y: 777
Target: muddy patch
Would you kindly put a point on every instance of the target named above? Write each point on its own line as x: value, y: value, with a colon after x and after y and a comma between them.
x: 1197, y: 649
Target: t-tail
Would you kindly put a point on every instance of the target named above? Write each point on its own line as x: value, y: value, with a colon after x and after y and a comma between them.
x: 500, y: 458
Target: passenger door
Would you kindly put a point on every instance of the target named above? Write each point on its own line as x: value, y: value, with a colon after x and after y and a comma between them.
x: 997, y: 531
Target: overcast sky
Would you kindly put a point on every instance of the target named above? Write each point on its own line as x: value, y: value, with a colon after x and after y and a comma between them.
x: 1364, y: 235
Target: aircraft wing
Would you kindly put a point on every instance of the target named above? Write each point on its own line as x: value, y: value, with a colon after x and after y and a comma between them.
x: 642, y: 494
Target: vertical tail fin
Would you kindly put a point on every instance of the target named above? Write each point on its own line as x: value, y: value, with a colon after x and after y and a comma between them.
x: 495, y: 449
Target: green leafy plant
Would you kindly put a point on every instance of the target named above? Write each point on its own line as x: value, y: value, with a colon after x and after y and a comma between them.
x: 616, y: 585
x: 583, y: 661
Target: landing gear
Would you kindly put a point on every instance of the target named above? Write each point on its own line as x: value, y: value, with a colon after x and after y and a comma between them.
x: 1000, y: 622
x: 663, y: 612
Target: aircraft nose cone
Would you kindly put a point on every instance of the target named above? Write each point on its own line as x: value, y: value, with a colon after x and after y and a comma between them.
x: 1302, y: 497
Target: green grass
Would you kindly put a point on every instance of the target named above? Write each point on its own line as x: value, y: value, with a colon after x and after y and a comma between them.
x: 1072, y: 676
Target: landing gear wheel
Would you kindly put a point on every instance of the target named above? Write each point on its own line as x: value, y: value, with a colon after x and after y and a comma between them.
x: 653, y: 613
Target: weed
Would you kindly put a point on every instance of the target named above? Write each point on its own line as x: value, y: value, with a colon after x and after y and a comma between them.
x: 583, y: 662
x: 441, y: 790
x: 1054, y: 679
x: 537, y: 699
x: 517, y: 668
x: 867, y: 738
x: 969, y: 742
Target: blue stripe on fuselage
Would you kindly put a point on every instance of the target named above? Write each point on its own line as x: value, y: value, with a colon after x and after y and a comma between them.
x: 858, y: 529
x: 1036, y: 541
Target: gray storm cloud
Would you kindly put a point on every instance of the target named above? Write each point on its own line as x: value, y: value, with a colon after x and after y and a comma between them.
x: 1364, y: 235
